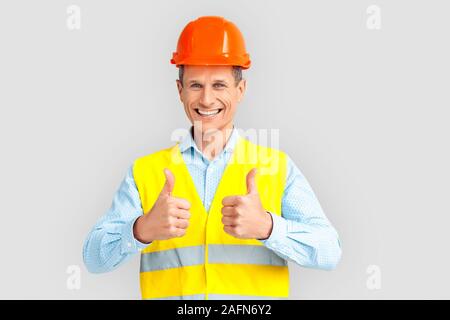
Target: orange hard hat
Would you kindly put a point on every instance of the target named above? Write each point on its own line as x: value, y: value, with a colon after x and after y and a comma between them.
x: 211, y: 40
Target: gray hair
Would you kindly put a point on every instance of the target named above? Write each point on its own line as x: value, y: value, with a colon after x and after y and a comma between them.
x: 237, y: 74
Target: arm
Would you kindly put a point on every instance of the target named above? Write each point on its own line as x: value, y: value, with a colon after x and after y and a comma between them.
x: 303, y: 233
x: 111, y: 241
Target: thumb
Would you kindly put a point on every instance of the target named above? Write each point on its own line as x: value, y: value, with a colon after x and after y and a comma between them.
x: 170, y: 182
x: 251, y: 182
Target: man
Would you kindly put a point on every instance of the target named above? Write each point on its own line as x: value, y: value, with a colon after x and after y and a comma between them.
x: 215, y: 216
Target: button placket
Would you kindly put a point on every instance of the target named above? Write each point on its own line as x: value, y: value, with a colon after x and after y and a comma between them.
x: 209, y: 171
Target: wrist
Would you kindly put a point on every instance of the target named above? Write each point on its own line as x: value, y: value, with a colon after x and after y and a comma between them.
x: 138, y: 231
x: 269, y: 226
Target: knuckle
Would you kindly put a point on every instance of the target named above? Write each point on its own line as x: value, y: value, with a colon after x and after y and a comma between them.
x: 184, y: 223
x: 230, y: 230
x: 172, y: 231
x: 171, y: 220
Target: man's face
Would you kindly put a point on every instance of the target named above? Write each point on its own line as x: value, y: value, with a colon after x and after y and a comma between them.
x: 210, y: 95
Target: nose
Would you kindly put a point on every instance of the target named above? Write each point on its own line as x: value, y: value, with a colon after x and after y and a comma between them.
x: 207, y: 98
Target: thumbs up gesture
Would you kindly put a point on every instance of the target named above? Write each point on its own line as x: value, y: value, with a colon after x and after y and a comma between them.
x: 244, y: 216
x: 168, y: 218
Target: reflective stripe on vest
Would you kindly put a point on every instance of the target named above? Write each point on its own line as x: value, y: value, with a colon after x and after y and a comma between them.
x: 207, y: 263
x: 243, y: 254
x: 173, y: 258
x: 217, y: 253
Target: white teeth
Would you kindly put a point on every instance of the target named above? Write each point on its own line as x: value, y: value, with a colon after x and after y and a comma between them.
x: 208, y: 113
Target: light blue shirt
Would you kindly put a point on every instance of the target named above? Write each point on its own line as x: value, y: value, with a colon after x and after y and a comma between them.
x: 301, y: 234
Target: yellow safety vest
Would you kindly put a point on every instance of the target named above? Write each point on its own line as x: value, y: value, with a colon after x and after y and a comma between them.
x: 208, y: 263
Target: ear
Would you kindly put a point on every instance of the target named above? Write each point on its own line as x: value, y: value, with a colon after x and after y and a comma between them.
x: 180, y: 89
x: 242, y: 86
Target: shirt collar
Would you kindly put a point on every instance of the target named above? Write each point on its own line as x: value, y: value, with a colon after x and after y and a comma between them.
x: 188, y: 142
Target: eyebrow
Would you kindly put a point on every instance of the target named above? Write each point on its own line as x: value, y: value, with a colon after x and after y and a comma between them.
x: 215, y: 80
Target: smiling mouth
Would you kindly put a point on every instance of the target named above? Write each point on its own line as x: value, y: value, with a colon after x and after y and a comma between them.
x: 208, y: 113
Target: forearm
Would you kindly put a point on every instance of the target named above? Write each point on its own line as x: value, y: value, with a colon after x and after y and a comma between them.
x: 302, y: 233
x: 308, y: 245
x: 110, y: 245
x: 111, y: 241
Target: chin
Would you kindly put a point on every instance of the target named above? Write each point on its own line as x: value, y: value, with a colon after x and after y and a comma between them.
x: 207, y: 126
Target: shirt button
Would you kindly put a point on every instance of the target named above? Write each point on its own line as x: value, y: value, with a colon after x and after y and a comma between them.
x: 129, y: 244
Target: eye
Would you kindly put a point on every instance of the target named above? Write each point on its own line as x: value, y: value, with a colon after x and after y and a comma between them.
x: 196, y: 85
x: 219, y: 85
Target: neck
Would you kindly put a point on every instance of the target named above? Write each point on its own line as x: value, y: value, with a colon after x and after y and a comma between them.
x: 212, y: 142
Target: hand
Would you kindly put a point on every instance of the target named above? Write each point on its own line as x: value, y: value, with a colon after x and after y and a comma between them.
x: 168, y: 218
x: 244, y: 216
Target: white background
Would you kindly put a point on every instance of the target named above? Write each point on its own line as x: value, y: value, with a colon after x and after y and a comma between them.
x: 363, y: 113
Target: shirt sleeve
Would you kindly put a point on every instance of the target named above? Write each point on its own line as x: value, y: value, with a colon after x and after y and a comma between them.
x: 111, y: 241
x: 302, y: 233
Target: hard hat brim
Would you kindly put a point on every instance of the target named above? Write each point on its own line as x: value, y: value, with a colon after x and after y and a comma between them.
x: 243, y: 62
